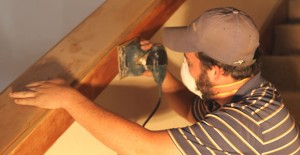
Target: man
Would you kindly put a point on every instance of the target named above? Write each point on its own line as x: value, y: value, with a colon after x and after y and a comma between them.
x: 235, y: 111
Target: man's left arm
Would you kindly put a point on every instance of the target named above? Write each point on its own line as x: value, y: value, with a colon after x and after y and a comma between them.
x: 121, y: 135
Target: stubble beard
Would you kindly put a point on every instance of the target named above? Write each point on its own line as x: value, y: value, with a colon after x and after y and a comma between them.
x: 204, y: 85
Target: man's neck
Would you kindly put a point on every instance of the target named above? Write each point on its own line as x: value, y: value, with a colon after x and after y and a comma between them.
x: 224, y: 93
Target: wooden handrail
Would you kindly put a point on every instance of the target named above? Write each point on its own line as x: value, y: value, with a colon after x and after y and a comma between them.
x: 86, y: 59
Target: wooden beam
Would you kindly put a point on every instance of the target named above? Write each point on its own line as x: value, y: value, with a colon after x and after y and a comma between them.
x: 87, y: 59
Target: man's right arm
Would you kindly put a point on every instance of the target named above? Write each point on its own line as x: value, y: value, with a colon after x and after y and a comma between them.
x: 175, y: 93
x: 178, y: 97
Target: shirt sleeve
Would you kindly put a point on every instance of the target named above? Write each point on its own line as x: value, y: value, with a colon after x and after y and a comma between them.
x: 218, y: 133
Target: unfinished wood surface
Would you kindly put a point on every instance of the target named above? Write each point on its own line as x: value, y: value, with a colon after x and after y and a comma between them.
x: 87, y: 59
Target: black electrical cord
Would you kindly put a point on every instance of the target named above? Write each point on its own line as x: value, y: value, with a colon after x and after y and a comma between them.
x: 156, y: 107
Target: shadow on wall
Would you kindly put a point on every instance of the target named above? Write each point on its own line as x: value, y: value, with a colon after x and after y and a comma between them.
x: 132, y: 102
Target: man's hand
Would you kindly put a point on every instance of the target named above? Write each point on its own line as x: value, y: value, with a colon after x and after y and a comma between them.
x: 52, y: 94
x: 146, y: 45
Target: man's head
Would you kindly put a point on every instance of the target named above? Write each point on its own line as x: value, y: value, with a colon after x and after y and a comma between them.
x: 224, y: 38
x: 227, y: 35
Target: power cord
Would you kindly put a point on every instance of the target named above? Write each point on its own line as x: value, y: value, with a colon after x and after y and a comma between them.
x: 156, y: 107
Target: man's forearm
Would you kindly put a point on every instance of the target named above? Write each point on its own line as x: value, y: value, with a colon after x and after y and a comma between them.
x: 178, y: 97
x: 121, y: 135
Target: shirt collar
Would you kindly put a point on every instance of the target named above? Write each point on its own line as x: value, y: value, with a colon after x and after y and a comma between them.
x: 253, y: 83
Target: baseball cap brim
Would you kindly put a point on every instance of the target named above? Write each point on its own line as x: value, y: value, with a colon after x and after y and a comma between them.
x: 179, y: 39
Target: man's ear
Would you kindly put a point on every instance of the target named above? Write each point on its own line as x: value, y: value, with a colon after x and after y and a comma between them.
x: 217, y: 72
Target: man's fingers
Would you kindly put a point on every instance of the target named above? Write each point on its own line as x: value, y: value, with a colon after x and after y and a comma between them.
x: 24, y: 98
x: 25, y: 94
x: 147, y: 73
x: 34, y: 84
x: 39, y: 83
x: 25, y: 101
x: 35, y: 89
x: 144, y: 42
x: 145, y: 45
x: 57, y: 81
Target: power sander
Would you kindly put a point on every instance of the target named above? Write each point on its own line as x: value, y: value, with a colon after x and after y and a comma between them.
x: 133, y: 61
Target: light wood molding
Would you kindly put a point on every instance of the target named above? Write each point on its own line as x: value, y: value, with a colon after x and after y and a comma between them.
x: 87, y: 59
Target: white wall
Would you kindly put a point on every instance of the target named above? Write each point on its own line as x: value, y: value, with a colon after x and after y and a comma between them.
x: 29, y: 28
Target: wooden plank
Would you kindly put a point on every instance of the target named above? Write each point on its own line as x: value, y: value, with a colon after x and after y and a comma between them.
x: 87, y: 59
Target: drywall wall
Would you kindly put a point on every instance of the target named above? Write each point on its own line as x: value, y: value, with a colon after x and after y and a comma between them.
x: 28, y: 29
x: 135, y: 97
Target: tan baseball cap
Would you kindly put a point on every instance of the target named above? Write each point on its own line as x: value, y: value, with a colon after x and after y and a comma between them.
x: 224, y: 34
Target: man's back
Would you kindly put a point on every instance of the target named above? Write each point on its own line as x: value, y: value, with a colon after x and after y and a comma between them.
x: 255, y: 122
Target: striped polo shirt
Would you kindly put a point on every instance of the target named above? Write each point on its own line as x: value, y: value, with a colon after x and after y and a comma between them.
x: 254, y: 122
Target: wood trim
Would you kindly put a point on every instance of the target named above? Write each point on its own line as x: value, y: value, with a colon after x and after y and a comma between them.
x: 278, y: 15
x: 87, y: 59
